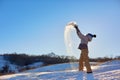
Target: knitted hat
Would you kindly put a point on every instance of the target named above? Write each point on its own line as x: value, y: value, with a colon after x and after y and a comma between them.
x: 89, y: 34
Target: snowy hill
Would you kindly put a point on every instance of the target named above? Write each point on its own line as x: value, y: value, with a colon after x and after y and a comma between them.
x: 15, y: 68
x: 12, y: 67
x: 107, y: 71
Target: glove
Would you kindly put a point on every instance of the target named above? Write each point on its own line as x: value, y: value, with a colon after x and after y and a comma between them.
x: 76, y: 26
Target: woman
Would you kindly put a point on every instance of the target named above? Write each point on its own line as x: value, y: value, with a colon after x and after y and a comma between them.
x: 84, y: 49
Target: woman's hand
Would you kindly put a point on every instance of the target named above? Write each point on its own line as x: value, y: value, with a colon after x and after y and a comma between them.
x: 76, y: 26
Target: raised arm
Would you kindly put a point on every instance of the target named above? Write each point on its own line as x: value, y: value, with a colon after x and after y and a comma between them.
x: 80, y: 35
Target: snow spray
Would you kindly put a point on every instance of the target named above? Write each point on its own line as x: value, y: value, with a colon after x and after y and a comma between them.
x: 69, y: 29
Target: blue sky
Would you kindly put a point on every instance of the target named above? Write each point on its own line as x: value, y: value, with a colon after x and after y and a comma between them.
x: 37, y: 26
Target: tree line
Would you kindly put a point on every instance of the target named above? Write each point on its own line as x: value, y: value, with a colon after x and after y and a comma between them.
x: 47, y: 59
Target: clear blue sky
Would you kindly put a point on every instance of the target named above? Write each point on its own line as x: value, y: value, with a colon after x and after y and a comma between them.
x: 37, y: 26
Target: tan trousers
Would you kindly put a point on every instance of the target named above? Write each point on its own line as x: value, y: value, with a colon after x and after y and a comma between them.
x: 84, y: 59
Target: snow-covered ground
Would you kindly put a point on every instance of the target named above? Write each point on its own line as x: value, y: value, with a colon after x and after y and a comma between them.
x: 107, y: 71
x: 36, y: 65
